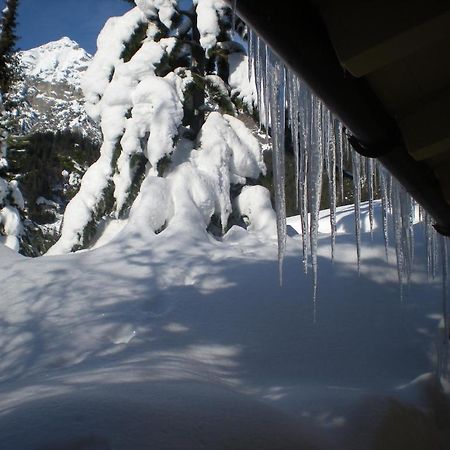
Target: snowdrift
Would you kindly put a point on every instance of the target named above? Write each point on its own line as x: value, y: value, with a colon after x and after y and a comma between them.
x: 172, y: 341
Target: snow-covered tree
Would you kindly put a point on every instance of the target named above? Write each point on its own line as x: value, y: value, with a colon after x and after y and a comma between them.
x: 8, y: 39
x: 11, y: 200
x: 171, y: 90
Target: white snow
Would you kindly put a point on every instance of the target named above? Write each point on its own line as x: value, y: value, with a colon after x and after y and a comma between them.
x: 61, y: 61
x: 254, y: 203
x: 11, y: 225
x: 164, y: 9
x: 48, y: 94
x: 239, y: 81
x: 176, y: 341
x: 143, y: 112
x: 208, y: 21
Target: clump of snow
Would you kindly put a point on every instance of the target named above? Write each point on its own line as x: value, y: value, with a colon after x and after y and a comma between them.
x: 110, y: 45
x: 254, y: 203
x: 241, y: 86
x: 16, y: 195
x: 11, y: 224
x: 4, y: 190
x: 229, y: 153
x: 164, y: 9
x: 208, y: 21
x: 153, y: 206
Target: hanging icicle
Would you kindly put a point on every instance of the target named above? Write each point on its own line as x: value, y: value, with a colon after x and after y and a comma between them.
x: 321, y: 147
x: 356, y: 170
x: 278, y: 125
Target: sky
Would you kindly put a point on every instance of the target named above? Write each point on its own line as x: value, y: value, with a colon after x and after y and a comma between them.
x: 42, y: 21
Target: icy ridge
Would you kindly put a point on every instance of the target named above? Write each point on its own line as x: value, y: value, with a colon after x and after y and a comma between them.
x: 61, y: 61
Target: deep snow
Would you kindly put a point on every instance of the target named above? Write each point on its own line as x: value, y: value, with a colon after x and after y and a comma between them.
x: 170, y: 341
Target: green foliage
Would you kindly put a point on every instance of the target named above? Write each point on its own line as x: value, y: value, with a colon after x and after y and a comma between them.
x: 38, y: 162
x: 90, y: 230
x: 8, y: 39
x: 135, y: 42
x: 138, y: 163
x: 219, y: 97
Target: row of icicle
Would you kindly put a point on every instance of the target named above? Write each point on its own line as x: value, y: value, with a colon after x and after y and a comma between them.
x: 321, y: 148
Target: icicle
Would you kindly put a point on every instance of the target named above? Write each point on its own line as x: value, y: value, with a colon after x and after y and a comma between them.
x: 398, y: 228
x: 267, y: 89
x: 384, y: 207
x: 443, y: 363
x: 318, y: 138
x: 356, y: 169
x: 315, y: 188
x: 428, y: 229
x: 250, y: 53
x: 233, y: 17
x: 370, y: 178
x: 303, y: 174
x: 259, y: 65
x: 340, y: 159
x: 330, y: 158
x: 294, y: 125
x: 277, y: 121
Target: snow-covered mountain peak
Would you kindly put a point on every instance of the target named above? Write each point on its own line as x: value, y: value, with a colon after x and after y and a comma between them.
x: 49, y: 92
x: 61, y: 61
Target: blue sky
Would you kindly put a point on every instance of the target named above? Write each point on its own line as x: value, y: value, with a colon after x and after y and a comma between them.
x: 41, y: 21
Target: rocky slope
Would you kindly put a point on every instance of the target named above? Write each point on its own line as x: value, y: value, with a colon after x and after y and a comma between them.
x: 49, y: 96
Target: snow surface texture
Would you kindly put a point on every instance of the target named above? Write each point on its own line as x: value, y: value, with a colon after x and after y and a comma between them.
x: 49, y: 95
x: 175, y: 340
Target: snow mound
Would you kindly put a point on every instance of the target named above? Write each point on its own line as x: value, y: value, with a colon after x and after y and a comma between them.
x: 191, y: 343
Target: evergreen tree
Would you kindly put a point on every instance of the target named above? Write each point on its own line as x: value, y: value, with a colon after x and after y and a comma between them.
x: 8, y: 40
x: 11, y: 200
x: 180, y: 150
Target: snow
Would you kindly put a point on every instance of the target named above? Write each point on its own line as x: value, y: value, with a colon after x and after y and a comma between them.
x: 176, y: 341
x: 164, y: 9
x: 254, y: 203
x: 239, y: 81
x: 61, y: 61
x: 163, y: 336
x: 12, y: 227
x: 208, y: 21
x: 48, y: 95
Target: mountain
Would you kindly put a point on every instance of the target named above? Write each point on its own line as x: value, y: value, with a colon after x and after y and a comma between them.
x: 52, y: 140
x: 49, y: 96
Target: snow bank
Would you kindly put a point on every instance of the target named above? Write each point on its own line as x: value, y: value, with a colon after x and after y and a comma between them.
x: 190, y: 342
